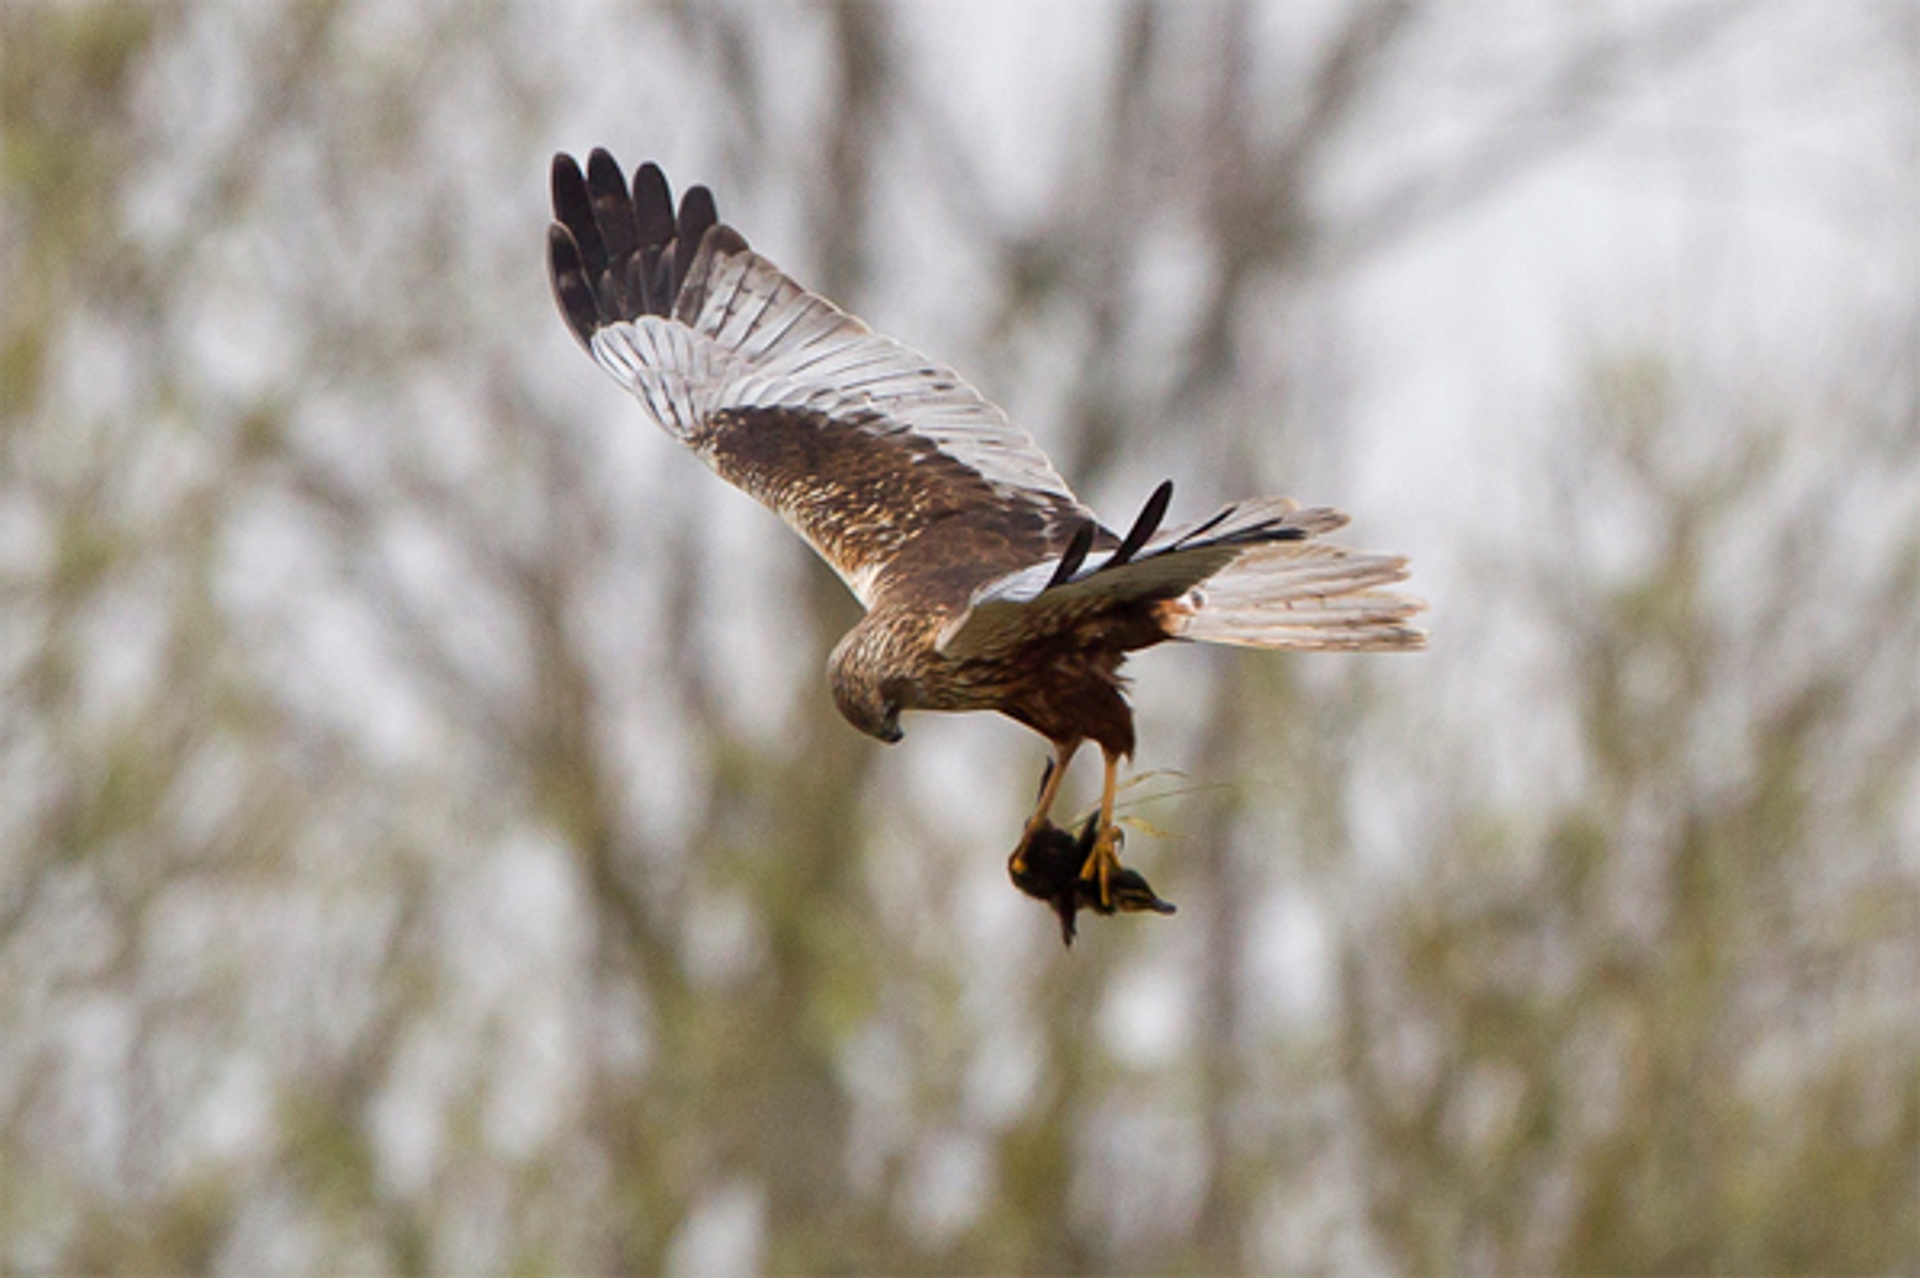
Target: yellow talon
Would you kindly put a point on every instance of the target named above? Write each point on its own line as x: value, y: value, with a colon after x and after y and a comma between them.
x: 1103, y: 861
x: 1079, y: 872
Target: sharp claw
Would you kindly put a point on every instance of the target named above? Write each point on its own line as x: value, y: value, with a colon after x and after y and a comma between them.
x: 1102, y: 859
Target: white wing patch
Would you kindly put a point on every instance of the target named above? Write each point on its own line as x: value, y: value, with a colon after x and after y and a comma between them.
x: 745, y: 335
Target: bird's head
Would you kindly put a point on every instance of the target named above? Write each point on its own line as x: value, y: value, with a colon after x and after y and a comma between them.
x: 868, y: 698
x: 877, y: 717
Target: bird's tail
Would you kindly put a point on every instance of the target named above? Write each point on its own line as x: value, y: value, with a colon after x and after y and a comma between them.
x: 1300, y: 594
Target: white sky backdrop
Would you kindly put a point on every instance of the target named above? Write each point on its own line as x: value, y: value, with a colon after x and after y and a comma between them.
x: 1751, y: 216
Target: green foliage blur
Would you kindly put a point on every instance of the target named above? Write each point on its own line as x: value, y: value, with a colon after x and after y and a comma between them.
x: 426, y: 845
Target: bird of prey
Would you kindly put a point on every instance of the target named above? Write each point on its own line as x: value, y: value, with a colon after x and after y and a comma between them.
x: 987, y: 584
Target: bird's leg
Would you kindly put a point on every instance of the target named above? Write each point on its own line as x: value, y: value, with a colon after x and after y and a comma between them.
x: 1073, y: 872
x: 1063, y: 752
x: 1049, y: 790
x: 1050, y: 780
x: 1103, y: 861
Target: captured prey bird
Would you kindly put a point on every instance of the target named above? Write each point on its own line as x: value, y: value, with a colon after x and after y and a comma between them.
x: 987, y: 584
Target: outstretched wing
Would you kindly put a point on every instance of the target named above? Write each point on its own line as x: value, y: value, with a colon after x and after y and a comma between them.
x: 1251, y: 575
x: 862, y: 445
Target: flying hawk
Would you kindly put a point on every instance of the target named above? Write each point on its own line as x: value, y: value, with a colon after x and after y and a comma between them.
x: 987, y: 584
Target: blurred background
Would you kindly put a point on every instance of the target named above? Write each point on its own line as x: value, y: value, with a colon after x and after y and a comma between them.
x: 426, y: 841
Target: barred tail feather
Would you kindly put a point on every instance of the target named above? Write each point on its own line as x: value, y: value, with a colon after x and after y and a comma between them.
x: 1302, y: 595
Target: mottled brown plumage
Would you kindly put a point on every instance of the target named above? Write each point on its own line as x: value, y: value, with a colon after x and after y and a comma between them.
x: 987, y: 584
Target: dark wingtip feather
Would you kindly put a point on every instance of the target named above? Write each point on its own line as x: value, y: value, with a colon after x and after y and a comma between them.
x: 618, y: 252
x: 573, y: 209
x: 613, y: 213
x: 603, y: 172
x: 571, y: 291
x: 1144, y: 527
x: 564, y: 179
x: 1076, y: 554
x: 1276, y: 529
x: 697, y: 215
x: 1194, y: 534
x: 653, y: 218
x: 652, y: 205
